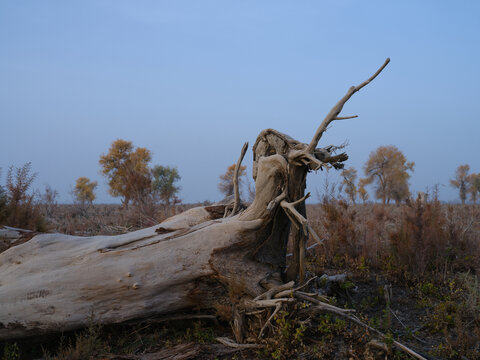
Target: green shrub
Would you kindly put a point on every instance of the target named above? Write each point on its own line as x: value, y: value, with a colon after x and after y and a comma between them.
x: 11, y: 352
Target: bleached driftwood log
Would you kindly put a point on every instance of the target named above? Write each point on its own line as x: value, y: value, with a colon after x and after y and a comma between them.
x: 56, y: 282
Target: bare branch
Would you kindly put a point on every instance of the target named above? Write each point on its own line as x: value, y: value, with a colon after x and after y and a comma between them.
x: 345, y: 117
x: 273, y: 204
x: 304, y: 285
x: 269, y: 320
x: 333, y: 114
x: 314, y: 234
x: 366, y: 82
x: 230, y: 343
x: 270, y: 293
x: 299, y: 201
x: 258, y: 304
x: 235, y: 179
x: 297, y: 218
x: 290, y: 292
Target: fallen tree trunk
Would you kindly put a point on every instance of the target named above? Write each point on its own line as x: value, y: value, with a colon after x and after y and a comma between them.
x: 57, y: 282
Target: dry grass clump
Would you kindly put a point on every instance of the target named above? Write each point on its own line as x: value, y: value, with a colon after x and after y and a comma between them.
x: 432, y: 238
x: 19, y: 206
x: 407, y: 242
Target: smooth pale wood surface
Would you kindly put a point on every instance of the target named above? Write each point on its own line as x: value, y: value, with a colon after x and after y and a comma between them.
x: 56, y: 282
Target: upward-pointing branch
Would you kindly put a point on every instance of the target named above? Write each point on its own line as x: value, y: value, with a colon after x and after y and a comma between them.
x: 235, y: 179
x: 333, y: 114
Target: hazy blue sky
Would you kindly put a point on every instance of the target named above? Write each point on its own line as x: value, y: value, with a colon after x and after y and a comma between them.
x: 193, y: 80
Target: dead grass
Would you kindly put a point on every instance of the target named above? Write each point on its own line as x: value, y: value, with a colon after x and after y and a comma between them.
x: 407, y: 242
x: 429, y: 247
x: 427, y: 252
x: 105, y: 219
x: 19, y: 205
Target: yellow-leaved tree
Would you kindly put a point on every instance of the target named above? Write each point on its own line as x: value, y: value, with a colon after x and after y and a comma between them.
x: 128, y: 171
x: 362, y: 192
x: 388, y: 168
x: 474, y: 186
x: 164, y: 184
x: 85, y: 190
x: 349, y: 177
x: 461, y: 181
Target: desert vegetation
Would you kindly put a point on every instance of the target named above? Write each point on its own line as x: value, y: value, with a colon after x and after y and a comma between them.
x: 356, y: 280
x: 411, y: 272
x: 409, y: 269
